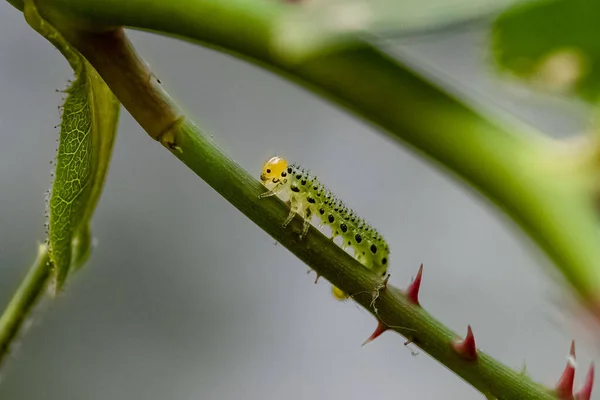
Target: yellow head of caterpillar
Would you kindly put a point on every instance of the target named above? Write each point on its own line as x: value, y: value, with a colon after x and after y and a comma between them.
x: 338, y: 293
x: 272, y: 170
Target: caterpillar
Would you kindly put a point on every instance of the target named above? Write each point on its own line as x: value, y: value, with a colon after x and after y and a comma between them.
x: 309, y: 198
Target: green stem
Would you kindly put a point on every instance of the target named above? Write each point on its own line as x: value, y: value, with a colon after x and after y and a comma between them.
x: 508, y: 163
x: 127, y: 75
x: 502, y: 165
x: 23, y: 301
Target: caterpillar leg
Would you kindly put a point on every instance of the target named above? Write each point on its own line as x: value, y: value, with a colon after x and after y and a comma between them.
x: 294, y: 208
x: 306, y: 225
x: 273, y: 192
x: 289, y: 218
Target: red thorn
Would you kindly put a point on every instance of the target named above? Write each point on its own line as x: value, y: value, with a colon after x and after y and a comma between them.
x: 466, y: 348
x: 586, y: 391
x: 412, y: 292
x: 564, y: 387
x: 381, y: 327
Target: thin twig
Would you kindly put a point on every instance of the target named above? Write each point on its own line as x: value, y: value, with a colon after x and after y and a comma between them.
x: 23, y: 301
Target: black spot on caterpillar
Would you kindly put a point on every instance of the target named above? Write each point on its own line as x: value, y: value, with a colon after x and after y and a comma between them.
x: 308, y: 197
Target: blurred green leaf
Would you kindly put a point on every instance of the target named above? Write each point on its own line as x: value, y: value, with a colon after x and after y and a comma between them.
x: 315, y: 26
x: 551, y: 45
x: 87, y: 132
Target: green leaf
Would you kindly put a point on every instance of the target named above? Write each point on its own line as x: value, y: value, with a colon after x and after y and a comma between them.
x: 87, y: 133
x: 317, y: 26
x: 552, y: 46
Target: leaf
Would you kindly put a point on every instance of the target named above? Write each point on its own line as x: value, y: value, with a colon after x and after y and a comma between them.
x: 551, y: 45
x: 316, y: 26
x: 87, y: 132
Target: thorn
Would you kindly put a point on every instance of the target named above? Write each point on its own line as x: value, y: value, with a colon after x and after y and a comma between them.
x: 564, y: 387
x: 385, y: 281
x: 407, y: 343
x: 381, y: 327
x: 466, y: 348
x: 524, y: 370
x: 586, y: 391
x: 317, y: 277
x: 412, y: 292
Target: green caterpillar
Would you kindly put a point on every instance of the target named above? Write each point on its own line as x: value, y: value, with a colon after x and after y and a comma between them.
x: 308, y: 197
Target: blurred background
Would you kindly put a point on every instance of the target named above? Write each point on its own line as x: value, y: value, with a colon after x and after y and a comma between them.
x: 185, y: 298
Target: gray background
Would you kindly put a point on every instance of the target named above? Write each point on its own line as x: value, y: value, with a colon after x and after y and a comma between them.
x: 185, y: 298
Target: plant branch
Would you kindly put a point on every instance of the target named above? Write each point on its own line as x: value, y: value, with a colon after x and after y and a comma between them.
x: 24, y: 300
x: 394, y: 98
x: 128, y: 76
x: 507, y: 162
